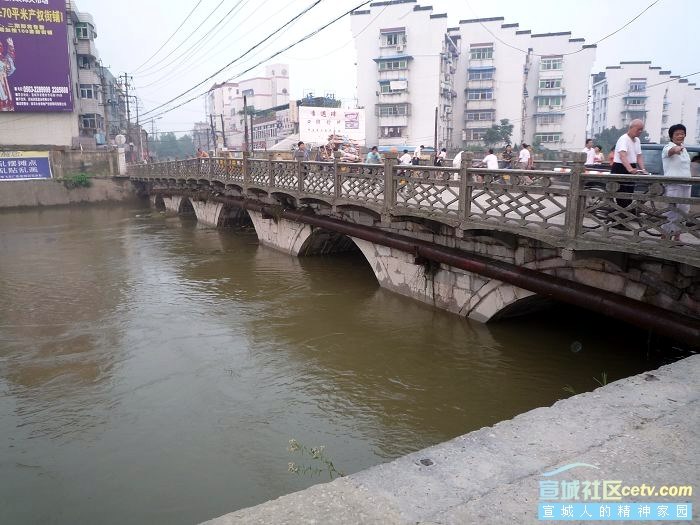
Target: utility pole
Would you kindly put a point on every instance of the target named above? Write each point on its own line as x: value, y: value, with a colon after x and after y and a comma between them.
x: 435, y: 142
x: 128, y: 111
x: 155, y: 138
x: 245, y: 123
x: 223, y: 130
x: 213, y: 130
x: 138, y: 129
x: 252, y: 146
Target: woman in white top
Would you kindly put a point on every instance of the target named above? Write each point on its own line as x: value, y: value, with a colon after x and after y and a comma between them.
x: 676, y: 162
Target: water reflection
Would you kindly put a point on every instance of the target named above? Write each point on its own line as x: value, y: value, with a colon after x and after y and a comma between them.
x: 153, y: 370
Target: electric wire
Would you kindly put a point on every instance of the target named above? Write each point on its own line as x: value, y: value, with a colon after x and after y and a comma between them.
x: 313, y: 33
x: 187, y: 54
x: 194, y: 31
x: 572, y: 52
x: 302, y: 13
x: 169, y: 38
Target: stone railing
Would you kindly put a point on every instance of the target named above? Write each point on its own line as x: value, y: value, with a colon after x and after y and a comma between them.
x: 569, y: 209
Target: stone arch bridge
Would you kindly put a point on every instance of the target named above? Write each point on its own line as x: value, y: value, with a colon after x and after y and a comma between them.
x: 482, y: 244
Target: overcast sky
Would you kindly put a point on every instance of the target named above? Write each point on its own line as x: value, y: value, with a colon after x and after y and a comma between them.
x: 130, y: 32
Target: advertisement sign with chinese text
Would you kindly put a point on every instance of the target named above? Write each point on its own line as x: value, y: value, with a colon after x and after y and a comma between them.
x: 317, y: 124
x: 34, y: 58
x: 24, y: 165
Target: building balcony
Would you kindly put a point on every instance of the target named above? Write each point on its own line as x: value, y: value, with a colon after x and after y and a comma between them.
x: 86, y: 47
x: 88, y: 76
x: 90, y: 105
x: 478, y: 124
x: 549, y: 110
x: 551, y: 92
x: 397, y: 121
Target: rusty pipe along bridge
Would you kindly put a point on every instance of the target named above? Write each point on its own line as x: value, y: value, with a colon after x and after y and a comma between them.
x: 582, y: 216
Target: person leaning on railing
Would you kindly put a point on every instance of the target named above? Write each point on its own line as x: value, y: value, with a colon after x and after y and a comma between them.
x: 628, y: 159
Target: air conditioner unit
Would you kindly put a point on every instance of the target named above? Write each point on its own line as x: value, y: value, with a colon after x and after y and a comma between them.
x: 399, y: 48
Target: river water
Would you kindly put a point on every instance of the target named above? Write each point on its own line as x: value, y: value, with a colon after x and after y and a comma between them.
x: 152, y: 371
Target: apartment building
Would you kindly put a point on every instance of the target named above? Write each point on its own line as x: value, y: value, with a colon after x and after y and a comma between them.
x: 406, y: 70
x: 225, y: 101
x: 639, y: 90
x: 539, y: 82
x: 66, y: 97
x: 476, y: 74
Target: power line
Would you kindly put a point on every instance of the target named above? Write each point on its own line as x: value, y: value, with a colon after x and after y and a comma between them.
x: 309, y: 8
x: 187, y: 53
x: 564, y: 54
x: 170, y: 37
x: 315, y: 32
x: 187, y: 37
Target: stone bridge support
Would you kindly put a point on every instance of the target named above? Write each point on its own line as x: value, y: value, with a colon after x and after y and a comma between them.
x: 453, y: 289
x: 172, y: 203
x: 207, y: 212
x: 296, y: 238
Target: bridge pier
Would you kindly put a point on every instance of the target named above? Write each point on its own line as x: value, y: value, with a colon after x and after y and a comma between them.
x: 207, y: 212
x: 296, y: 238
x: 458, y: 291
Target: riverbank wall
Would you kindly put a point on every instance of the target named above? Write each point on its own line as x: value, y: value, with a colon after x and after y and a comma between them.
x: 55, y: 192
x: 639, y: 430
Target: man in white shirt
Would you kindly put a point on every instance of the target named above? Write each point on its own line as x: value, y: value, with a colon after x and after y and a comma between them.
x: 457, y: 161
x: 590, y: 152
x: 524, y: 157
x: 628, y: 159
x: 417, y: 154
x: 490, y: 160
x: 405, y: 158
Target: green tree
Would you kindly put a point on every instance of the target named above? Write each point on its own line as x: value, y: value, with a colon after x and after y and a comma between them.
x: 498, y: 133
x: 168, y: 145
x: 607, y: 138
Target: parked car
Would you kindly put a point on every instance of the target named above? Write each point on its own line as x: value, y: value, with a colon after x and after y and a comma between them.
x: 653, y: 164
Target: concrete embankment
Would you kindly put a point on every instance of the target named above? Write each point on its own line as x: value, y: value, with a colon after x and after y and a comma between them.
x: 20, y: 194
x: 643, y: 429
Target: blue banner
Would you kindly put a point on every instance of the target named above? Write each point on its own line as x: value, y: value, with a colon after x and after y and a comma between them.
x: 24, y: 165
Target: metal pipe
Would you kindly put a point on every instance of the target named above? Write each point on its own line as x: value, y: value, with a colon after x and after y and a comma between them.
x: 675, y: 326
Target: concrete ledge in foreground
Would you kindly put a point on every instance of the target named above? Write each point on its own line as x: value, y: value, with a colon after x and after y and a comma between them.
x: 643, y: 429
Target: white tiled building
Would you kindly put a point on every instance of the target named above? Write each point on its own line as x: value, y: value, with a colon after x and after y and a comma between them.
x: 539, y: 82
x: 406, y: 69
x: 483, y: 71
x: 639, y: 90
x: 263, y: 92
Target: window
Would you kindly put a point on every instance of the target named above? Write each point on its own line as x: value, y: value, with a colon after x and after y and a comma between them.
x: 475, y: 134
x: 480, y: 115
x: 548, y: 138
x: 635, y: 101
x: 392, y: 110
x: 393, y: 39
x: 392, y: 64
x: 481, y: 75
x: 479, y: 94
x: 391, y: 132
x: 394, y: 86
x: 549, y: 101
x: 482, y: 52
x: 639, y: 86
x: 550, y: 83
x: 548, y: 64
x: 549, y: 119
x: 87, y: 91
x: 82, y: 30
x: 91, y: 121
x: 84, y: 62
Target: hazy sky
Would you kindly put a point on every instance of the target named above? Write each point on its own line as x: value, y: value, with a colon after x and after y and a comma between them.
x: 130, y: 32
